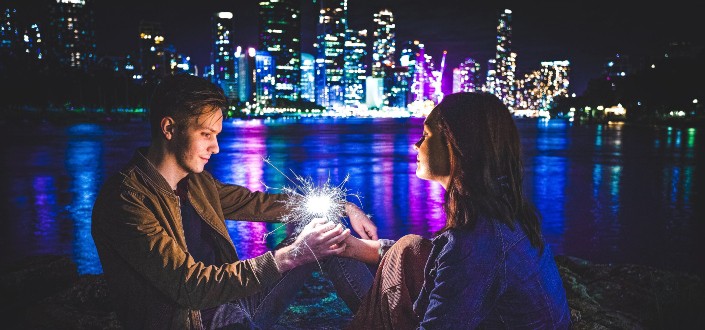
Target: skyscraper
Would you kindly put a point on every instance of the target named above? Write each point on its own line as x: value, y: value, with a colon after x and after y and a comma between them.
x: 330, y: 59
x: 280, y: 36
x: 409, y: 52
x: 222, y: 54
x: 384, y: 42
x: 308, y: 77
x: 255, y: 78
x: 73, y: 35
x: 355, y: 68
x: 504, y: 65
x: 468, y: 76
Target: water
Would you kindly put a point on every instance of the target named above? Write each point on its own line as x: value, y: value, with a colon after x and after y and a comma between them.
x: 607, y: 193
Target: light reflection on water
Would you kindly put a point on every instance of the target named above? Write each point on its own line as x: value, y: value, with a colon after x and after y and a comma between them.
x: 608, y: 193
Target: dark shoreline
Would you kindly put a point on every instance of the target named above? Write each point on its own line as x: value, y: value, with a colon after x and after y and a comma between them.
x: 46, y: 292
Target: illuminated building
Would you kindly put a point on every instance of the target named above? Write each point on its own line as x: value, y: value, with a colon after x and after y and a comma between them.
x: 10, y: 38
x: 384, y: 42
x: 255, y: 78
x: 355, y: 68
x: 308, y: 78
x: 74, y: 39
x: 427, y: 84
x: 222, y: 54
x: 245, y: 78
x: 179, y: 63
x: 616, y: 70
x: 264, y: 78
x: 330, y: 60
x: 537, y: 89
x: 527, y: 92
x: 152, y: 51
x: 468, y: 77
x: 500, y: 74
x: 396, y: 86
x: 18, y: 38
x: 554, y: 82
x: 374, y: 99
x: 456, y: 80
x: 409, y: 53
x: 280, y: 36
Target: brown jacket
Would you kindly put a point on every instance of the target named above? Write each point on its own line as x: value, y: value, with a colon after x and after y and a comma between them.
x: 155, y: 283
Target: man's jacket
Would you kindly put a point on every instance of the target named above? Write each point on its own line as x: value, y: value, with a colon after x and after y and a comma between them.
x: 154, y: 281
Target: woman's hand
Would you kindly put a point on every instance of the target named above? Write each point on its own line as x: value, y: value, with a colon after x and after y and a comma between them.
x: 364, y: 250
x: 360, y: 222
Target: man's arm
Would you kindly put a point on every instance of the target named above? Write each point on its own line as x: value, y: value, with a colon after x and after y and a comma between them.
x: 126, y: 230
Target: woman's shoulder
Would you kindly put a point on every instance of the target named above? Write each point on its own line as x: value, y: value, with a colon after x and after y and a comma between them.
x: 462, y: 243
x: 487, y: 233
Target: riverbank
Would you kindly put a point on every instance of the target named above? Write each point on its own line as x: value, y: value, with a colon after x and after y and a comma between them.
x: 46, y: 292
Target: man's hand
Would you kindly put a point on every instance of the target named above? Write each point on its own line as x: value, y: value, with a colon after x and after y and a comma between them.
x: 318, y: 239
x: 360, y: 222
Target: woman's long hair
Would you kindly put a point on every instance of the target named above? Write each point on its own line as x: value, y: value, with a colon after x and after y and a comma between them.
x: 486, y: 170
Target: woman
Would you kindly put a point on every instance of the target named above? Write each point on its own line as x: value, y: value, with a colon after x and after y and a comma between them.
x: 489, y: 266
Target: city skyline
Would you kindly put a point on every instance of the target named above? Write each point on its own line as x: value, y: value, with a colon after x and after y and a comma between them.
x: 545, y: 33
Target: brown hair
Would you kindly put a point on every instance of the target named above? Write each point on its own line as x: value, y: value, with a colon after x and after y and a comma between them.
x: 182, y: 97
x: 486, y: 171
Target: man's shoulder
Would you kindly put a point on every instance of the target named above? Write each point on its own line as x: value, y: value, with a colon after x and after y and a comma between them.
x: 128, y: 179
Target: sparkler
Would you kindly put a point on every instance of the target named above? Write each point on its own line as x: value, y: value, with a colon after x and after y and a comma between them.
x: 309, y: 201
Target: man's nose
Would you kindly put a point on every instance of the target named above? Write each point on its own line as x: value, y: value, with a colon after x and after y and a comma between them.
x: 214, y: 147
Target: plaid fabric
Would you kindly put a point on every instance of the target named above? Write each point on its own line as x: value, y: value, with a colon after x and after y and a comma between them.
x: 399, y: 278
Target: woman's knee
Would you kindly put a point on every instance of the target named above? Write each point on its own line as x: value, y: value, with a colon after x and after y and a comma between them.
x: 412, y: 243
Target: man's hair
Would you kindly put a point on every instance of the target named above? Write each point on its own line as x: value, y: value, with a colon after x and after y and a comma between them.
x: 183, y: 97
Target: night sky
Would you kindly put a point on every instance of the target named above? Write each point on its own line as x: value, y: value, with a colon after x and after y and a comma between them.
x: 587, y: 33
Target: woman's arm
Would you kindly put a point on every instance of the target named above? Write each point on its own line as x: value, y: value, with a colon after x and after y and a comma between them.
x: 365, y: 250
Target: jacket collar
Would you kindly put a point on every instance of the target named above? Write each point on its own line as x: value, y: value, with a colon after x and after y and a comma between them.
x: 143, y: 164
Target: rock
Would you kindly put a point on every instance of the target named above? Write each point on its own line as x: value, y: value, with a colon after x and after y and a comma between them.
x: 24, y: 283
x: 601, y: 296
x: 625, y: 296
x: 85, y: 305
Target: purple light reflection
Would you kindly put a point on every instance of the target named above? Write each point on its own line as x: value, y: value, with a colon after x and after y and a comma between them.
x: 242, y: 163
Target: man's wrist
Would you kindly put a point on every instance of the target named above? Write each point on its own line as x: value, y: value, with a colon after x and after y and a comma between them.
x: 283, y: 260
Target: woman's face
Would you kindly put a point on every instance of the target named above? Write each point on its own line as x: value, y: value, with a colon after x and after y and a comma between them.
x: 433, y: 159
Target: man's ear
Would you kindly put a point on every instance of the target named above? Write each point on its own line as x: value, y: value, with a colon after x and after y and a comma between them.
x: 168, y: 126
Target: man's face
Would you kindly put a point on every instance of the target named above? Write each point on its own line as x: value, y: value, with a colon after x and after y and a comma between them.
x: 195, y: 143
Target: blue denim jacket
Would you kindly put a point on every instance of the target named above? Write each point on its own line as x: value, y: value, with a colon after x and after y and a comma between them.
x: 491, y: 277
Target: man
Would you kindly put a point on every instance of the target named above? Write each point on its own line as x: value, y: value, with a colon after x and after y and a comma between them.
x: 159, y: 226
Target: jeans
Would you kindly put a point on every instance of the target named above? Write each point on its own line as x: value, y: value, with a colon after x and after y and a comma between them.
x: 351, y: 278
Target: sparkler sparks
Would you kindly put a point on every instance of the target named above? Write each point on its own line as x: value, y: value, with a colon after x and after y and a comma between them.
x: 309, y: 201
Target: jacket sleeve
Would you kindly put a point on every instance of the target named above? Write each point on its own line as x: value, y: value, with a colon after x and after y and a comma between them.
x: 240, y: 203
x: 128, y: 229
x: 465, y: 287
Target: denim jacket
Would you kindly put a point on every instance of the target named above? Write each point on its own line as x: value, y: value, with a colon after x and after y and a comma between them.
x: 491, y: 277
x: 154, y: 281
